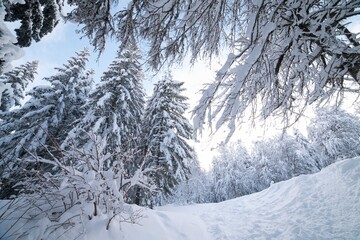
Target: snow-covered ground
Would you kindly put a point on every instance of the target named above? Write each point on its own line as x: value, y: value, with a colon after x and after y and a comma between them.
x: 325, y: 205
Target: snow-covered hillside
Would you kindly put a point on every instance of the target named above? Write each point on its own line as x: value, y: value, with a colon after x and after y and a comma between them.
x: 325, y: 205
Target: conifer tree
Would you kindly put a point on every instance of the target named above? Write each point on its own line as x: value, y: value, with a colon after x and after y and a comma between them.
x: 165, y: 133
x: 115, y: 108
x: 42, y: 123
x: 13, y: 84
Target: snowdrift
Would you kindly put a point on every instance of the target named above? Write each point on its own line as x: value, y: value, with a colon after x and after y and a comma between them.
x: 325, y: 205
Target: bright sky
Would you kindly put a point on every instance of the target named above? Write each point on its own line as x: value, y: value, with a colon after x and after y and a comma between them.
x: 57, y: 47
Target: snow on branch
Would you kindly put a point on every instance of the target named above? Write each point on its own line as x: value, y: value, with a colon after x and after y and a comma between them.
x: 54, y: 202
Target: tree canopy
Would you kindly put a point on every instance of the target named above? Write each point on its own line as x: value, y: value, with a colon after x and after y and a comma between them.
x: 283, y: 55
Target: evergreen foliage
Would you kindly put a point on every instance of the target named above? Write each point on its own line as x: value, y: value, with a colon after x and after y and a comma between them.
x: 166, y: 131
x: 37, y: 128
x: 114, y: 113
x: 37, y: 18
x: 114, y: 109
x: 14, y: 83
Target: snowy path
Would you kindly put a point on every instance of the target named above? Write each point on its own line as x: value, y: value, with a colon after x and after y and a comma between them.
x: 325, y: 205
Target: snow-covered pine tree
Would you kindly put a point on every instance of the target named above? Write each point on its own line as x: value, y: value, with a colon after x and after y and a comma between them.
x: 13, y: 84
x: 37, y: 128
x: 165, y: 133
x: 115, y: 108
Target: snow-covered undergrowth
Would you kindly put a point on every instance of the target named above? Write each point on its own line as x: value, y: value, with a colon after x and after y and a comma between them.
x: 324, y: 205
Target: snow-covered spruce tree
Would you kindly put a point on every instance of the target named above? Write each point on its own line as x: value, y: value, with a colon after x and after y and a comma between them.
x: 165, y: 133
x: 38, y: 127
x: 336, y: 134
x: 114, y: 111
x: 13, y: 84
x: 37, y: 18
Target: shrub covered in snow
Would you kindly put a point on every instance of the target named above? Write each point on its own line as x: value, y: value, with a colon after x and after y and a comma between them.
x: 83, y: 188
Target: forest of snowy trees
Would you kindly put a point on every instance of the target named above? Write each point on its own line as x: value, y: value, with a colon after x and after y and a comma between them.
x: 80, y: 147
x: 333, y: 135
x: 100, y: 147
